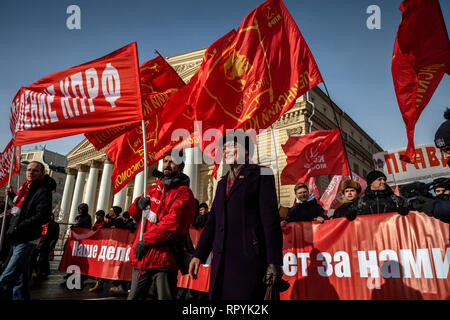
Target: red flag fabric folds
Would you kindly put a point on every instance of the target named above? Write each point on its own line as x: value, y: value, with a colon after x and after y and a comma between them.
x: 258, y: 76
x: 6, y: 158
x: 420, y: 59
x: 158, y: 81
x: 96, y: 95
x: 317, y: 153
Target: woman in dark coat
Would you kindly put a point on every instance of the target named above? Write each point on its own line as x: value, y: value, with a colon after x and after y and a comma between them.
x: 243, y: 231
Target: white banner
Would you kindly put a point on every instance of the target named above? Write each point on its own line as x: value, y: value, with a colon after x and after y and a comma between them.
x: 430, y: 164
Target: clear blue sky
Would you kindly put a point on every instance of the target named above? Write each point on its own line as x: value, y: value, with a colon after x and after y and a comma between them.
x: 355, y: 62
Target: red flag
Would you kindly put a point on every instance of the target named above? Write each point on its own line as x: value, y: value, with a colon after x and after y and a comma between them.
x: 158, y: 81
x: 96, y: 95
x: 313, y: 188
x: 258, y: 76
x: 420, y: 59
x: 314, y: 154
x: 6, y: 157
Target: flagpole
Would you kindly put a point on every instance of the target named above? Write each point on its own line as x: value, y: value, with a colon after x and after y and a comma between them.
x: 144, y: 136
x: 276, y: 162
x: 340, y: 130
x: 6, y: 199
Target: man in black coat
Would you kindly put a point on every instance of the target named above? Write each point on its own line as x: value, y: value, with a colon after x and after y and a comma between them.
x: 307, y: 208
x: 32, y: 209
x: 243, y: 229
x: 378, y: 198
x: 47, y: 244
x: 352, y: 191
x: 83, y: 219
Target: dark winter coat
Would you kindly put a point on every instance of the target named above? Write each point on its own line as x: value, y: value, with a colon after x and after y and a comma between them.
x: 306, y: 211
x: 441, y: 210
x: 243, y: 232
x: 36, y: 211
x: 200, y: 221
x: 378, y: 201
x: 83, y: 220
x: 342, y: 210
x: 49, y: 240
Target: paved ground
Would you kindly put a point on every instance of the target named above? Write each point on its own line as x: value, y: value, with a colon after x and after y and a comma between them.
x: 51, y: 288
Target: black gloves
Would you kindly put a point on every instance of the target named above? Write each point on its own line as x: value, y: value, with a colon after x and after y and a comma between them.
x: 143, y: 202
x: 140, y: 249
x: 424, y: 204
x: 273, y: 275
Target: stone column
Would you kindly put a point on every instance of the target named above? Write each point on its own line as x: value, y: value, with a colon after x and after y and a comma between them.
x: 91, y: 187
x: 105, y: 186
x: 78, y: 192
x: 119, y: 198
x: 138, y: 185
x: 67, y: 195
x: 191, y: 168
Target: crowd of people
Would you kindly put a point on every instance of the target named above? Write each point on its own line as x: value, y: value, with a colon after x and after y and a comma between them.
x: 244, y: 224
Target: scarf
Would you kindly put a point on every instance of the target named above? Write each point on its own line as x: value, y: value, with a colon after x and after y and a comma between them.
x: 156, y: 195
x: 19, y: 199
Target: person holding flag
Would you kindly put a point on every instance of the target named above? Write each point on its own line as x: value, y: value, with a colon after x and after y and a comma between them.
x: 169, y: 209
x: 352, y: 191
x: 32, y: 209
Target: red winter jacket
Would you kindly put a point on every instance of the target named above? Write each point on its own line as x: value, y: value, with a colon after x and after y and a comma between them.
x: 176, y: 215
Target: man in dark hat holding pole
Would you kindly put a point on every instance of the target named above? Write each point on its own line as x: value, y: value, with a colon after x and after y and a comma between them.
x: 243, y: 229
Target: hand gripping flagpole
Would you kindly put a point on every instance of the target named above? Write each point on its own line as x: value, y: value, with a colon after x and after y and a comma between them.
x: 6, y: 199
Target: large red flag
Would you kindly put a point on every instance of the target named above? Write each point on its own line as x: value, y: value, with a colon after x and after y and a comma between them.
x: 172, y: 116
x: 258, y: 76
x: 6, y: 160
x: 317, y: 153
x: 158, y: 81
x: 420, y: 59
x: 96, y: 95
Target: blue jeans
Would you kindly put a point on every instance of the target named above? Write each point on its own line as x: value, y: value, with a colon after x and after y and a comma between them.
x: 15, y: 279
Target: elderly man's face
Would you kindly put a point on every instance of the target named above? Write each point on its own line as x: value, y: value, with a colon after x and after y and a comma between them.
x: 234, y: 153
x: 378, y: 184
x: 302, y: 194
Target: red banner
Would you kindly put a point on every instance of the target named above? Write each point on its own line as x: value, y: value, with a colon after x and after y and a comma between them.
x: 421, y: 57
x: 158, y: 81
x: 381, y: 256
x: 5, y: 162
x: 103, y: 253
x: 100, y: 94
x: 258, y: 76
x: 314, y: 154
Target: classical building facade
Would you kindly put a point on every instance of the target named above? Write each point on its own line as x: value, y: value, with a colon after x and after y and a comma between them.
x: 89, y: 171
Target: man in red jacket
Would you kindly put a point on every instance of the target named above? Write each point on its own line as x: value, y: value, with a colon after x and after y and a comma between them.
x: 169, y: 208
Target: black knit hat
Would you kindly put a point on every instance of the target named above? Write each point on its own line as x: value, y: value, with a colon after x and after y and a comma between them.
x: 117, y: 210
x: 374, y: 175
x: 83, y: 207
x: 442, y: 136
